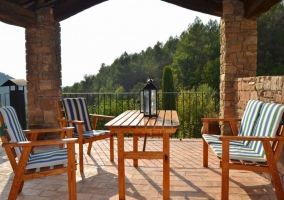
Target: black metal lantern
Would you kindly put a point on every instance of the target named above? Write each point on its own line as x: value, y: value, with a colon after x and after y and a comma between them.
x: 149, y: 100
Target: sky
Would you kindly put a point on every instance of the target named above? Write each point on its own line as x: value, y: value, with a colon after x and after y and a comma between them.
x: 100, y: 35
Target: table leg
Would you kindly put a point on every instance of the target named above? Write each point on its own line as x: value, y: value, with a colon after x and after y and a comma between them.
x: 166, y: 166
x: 121, y: 170
x: 135, y: 149
x: 111, y: 148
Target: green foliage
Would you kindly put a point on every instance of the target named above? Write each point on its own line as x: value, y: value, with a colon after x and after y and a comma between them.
x: 196, y: 52
x: 168, y: 98
x: 197, y: 103
x: 270, y: 54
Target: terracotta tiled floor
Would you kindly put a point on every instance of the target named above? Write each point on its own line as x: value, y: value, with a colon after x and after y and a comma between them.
x: 188, y: 179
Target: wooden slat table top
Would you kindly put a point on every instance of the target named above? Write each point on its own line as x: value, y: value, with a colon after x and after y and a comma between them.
x: 135, y: 119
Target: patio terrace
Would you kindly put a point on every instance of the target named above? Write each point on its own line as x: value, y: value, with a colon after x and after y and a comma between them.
x: 188, y: 178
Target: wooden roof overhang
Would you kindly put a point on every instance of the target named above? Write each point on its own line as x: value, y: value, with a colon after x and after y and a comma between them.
x: 23, y: 12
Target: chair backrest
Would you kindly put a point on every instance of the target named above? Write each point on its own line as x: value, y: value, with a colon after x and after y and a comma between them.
x: 249, y: 118
x: 76, y: 109
x: 267, y: 124
x: 14, y: 128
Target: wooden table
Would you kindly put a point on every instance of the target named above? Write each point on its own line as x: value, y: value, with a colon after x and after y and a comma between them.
x: 132, y: 121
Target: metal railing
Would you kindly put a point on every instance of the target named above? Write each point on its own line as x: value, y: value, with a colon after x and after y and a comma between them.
x: 191, y: 107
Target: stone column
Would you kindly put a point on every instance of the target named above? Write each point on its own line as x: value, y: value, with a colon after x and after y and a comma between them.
x: 238, y: 38
x: 43, y: 58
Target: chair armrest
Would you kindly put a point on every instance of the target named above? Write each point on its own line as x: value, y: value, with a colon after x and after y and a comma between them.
x: 48, y: 130
x: 40, y: 143
x: 251, y: 138
x: 220, y: 119
x: 34, y: 132
x: 232, y: 121
x: 102, y: 116
x: 71, y: 121
x: 96, y: 118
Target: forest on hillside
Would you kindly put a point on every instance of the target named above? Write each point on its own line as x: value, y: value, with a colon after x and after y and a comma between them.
x: 193, y: 57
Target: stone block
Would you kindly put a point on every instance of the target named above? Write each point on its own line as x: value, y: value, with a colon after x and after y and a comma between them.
x: 268, y: 94
x: 46, y: 85
x: 234, y: 47
x: 48, y: 59
x: 252, y: 47
x: 230, y: 97
x: 249, y: 86
x: 46, y: 68
x: 249, y: 25
x: 267, y: 85
x: 32, y: 78
x: 250, y: 40
x: 54, y: 93
x: 254, y: 95
x: 231, y: 57
x: 259, y: 86
x: 251, y: 53
x: 228, y: 10
x: 229, y: 112
x: 47, y: 104
x: 278, y: 98
x: 244, y: 96
x: 276, y: 82
x: 232, y: 36
x: 49, y: 117
x: 31, y: 58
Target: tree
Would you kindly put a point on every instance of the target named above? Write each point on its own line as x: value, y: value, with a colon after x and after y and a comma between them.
x: 168, y: 98
x: 270, y: 55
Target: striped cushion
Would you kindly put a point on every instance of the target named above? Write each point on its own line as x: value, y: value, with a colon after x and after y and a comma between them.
x: 14, y: 128
x: 92, y: 133
x: 214, y: 139
x: 36, y: 160
x: 76, y: 109
x: 247, y: 125
x: 48, y: 158
x: 266, y: 126
x: 249, y: 118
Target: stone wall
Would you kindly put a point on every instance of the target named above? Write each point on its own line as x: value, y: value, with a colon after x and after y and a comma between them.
x: 43, y: 58
x: 263, y: 88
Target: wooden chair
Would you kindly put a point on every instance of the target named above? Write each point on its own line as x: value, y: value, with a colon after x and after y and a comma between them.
x: 74, y: 112
x: 257, y: 145
x: 28, y: 164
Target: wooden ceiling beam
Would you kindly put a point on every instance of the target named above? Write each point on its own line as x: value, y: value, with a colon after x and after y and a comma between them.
x: 211, y: 7
x: 254, y: 8
x: 65, y: 9
x: 13, y: 14
x: 38, y: 4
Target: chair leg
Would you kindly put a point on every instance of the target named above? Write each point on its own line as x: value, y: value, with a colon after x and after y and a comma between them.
x: 111, y: 147
x: 21, y: 186
x: 145, y: 140
x: 205, y: 153
x: 89, y: 148
x: 135, y: 149
x: 273, y: 170
x: 15, y: 188
x: 225, y: 171
x: 71, y: 172
x: 81, y: 156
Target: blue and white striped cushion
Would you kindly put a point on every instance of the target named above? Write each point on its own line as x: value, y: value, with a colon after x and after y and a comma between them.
x: 14, y: 128
x: 76, y: 109
x: 266, y: 126
x: 48, y: 158
x: 249, y: 118
x: 247, y: 125
x: 92, y: 133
